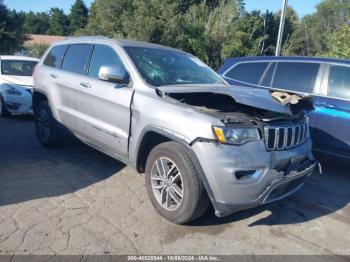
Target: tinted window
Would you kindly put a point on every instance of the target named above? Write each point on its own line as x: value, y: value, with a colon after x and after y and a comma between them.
x: 55, y: 56
x: 339, y: 82
x: 300, y: 77
x: 103, y: 56
x: 248, y: 72
x: 266, y: 79
x: 77, y: 58
x: 17, y: 67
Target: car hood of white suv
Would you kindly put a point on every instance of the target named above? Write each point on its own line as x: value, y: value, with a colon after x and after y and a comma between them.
x: 18, y: 80
x: 275, y: 101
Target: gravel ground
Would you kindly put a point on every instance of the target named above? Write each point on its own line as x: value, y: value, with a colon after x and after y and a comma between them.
x: 75, y: 200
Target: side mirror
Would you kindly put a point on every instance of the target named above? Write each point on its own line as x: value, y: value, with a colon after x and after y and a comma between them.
x: 114, y: 74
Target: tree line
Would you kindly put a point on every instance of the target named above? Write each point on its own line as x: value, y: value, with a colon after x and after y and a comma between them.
x: 210, y: 29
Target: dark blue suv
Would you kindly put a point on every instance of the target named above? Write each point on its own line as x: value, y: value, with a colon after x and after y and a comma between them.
x: 327, y: 80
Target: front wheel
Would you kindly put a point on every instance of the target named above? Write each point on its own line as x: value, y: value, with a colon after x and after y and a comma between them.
x: 47, y: 128
x: 173, y: 184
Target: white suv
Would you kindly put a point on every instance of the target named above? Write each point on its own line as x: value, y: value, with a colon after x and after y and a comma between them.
x: 16, y: 84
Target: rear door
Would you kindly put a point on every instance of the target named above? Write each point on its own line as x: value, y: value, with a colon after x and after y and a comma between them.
x: 105, y: 106
x: 48, y: 77
x: 333, y: 111
x: 73, y: 72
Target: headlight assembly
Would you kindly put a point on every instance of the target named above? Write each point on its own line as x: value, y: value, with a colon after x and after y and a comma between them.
x: 236, y: 136
x: 11, y: 90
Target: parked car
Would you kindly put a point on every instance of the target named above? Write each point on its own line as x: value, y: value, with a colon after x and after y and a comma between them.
x: 169, y: 115
x: 16, y: 84
x: 326, y: 80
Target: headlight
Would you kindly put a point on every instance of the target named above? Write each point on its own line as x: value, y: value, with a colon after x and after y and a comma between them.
x: 10, y: 90
x: 236, y: 136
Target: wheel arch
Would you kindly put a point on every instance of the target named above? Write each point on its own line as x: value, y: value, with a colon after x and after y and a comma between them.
x: 37, y: 98
x: 158, y: 135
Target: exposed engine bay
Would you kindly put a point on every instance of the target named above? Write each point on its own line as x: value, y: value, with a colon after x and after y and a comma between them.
x: 230, y: 111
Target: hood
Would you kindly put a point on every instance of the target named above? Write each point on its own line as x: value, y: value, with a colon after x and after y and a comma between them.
x: 18, y: 80
x: 275, y: 101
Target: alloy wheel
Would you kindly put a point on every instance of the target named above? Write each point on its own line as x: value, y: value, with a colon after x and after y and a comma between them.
x: 167, y: 183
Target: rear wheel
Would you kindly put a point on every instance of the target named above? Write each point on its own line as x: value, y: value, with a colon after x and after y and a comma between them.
x: 47, y: 128
x: 173, y: 184
x: 3, y: 111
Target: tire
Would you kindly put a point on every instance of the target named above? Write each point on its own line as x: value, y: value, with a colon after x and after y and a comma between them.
x: 47, y: 128
x: 194, y: 201
x: 3, y: 111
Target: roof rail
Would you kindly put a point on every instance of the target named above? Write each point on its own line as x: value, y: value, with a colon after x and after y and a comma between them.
x: 87, y: 37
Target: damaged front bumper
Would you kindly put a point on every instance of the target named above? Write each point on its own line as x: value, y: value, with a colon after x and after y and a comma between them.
x: 278, y: 189
x: 242, y: 177
x: 19, y: 104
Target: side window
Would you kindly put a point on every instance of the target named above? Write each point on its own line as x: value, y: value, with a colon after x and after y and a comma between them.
x: 103, y: 56
x: 299, y: 77
x: 248, y: 72
x: 55, y: 56
x: 339, y: 82
x: 77, y: 58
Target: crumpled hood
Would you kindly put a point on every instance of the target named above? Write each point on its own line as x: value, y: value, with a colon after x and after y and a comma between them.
x: 250, y: 96
x: 18, y: 80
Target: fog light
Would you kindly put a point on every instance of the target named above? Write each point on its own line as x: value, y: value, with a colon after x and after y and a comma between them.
x: 12, y: 106
x: 245, y: 173
x: 248, y: 175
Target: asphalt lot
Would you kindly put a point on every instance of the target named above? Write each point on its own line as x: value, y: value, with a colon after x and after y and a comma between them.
x: 75, y: 200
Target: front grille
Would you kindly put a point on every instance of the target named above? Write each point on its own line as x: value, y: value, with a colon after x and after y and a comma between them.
x: 285, y: 137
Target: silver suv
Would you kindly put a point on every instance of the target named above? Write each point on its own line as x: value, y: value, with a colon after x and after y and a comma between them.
x: 165, y: 112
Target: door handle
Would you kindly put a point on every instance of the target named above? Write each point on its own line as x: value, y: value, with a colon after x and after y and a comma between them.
x: 54, y: 76
x: 85, y: 84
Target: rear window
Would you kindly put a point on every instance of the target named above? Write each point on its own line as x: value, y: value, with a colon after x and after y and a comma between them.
x: 17, y: 67
x: 339, y: 82
x: 250, y: 73
x: 299, y: 77
x: 55, y: 56
x: 76, y: 59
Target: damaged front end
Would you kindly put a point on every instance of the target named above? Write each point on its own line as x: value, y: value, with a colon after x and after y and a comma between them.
x: 278, y: 118
x: 262, y: 151
x: 240, y: 104
x: 241, y: 107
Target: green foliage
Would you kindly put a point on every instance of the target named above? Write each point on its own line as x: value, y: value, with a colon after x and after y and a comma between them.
x: 201, y: 27
x: 11, y: 34
x: 339, y: 42
x: 78, y: 16
x: 210, y: 29
x: 58, y: 22
x: 36, y: 50
x: 36, y: 23
x: 312, y: 35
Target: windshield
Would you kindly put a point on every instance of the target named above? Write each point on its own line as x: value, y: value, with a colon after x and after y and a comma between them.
x: 17, y: 67
x: 166, y: 67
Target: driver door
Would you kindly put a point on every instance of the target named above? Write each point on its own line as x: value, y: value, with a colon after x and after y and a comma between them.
x: 105, y: 106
